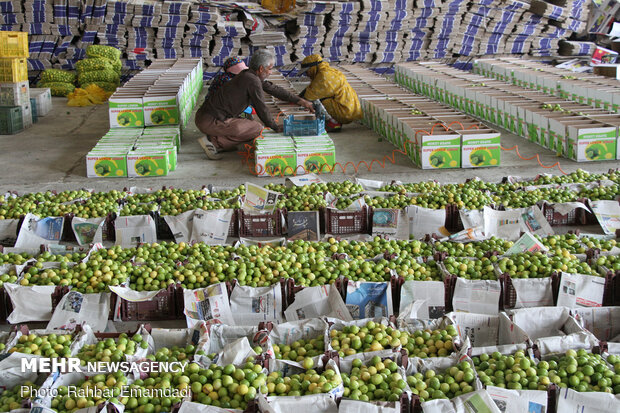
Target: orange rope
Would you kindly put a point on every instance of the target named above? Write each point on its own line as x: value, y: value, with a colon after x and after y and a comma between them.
x: 516, y: 149
x: 259, y: 170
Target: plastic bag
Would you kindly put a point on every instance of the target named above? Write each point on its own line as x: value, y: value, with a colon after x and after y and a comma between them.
x: 88, y: 96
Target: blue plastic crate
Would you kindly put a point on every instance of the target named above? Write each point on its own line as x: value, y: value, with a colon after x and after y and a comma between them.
x: 304, y: 127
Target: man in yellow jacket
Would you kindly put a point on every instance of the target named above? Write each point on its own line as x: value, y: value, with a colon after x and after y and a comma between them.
x: 330, y: 86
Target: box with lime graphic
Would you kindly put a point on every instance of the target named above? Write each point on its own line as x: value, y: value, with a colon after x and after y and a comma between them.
x: 313, y: 159
x: 104, y: 164
x: 276, y: 163
x: 480, y: 148
x: 592, y: 142
x: 170, y: 151
x: 614, y: 120
x: 126, y: 112
x: 439, y: 151
x: 161, y: 109
x: 148, y: 162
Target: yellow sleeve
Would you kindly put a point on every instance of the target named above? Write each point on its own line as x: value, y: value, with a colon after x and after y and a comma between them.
x: 320, y: 88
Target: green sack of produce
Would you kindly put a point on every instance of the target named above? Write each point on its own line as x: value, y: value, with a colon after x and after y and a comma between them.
x: 94, y: 64
x: 108, y: 75
x: 58, y: 88
x: 108, y: 52
x: 117, y: 65
x: 107, y: 86
x: 57, y: 75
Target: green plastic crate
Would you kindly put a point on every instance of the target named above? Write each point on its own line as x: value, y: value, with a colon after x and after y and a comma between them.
x: 11, y: 120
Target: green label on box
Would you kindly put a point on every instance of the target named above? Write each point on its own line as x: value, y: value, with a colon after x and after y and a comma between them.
x: 479, y: 156
x: 126, y: 114
x: 595, y: 149
x: 161, y: 112
x: 148, y: 165
x: 276, y: 164
x: 106, y: 165
x: 315, y: 162
x: 441, y: 158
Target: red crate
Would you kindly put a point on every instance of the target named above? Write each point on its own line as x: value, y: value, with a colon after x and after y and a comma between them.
x: 616, y: 289
x: 449, y: 283
x: 508, y: 296
x: 6, y: 308
x: 396, y: 285
x: 610, y: 295
x: 347, y: 222
x: 102, y: 336
x: 577, y: 216
x: 290, y: 290
x: 233, y: 228
x: 261, y: 225
x: 166, y: 305
x: 453, y: 219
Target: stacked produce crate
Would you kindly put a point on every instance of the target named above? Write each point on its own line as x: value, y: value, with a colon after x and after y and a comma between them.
x: 432, y: 135
x: 303, y: 147
x: 575, y: 130
x: 134, y: 152
x: 160, y: 98
x: 15, y: 109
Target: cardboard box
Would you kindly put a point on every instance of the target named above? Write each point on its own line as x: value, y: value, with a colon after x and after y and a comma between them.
x: 593, y: 141
x: 276, y: 163
x: 148, y: 162
x: 161, y: 109
x: 106, y: 165
x: 315, y: 159
x: 480, y: 148
x: 439, y: 151
x: 559, y: 133
x: 608, y: 70
x: 126, y: 112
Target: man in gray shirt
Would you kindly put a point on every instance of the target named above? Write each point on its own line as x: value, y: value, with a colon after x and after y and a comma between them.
x: 218, y: 117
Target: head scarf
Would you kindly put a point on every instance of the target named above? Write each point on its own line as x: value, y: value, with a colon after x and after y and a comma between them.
x: 231, y: 67
x: 234, y: 65
x: 310, y: 63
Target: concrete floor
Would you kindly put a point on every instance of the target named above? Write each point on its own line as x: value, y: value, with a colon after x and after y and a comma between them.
x: 50, y: 155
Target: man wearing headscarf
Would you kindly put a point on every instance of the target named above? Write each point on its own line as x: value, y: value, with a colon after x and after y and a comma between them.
x: 218, y: 117
x: 231, y: 67
x: 330, y: 86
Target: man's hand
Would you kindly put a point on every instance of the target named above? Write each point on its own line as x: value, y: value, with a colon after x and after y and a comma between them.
x: 306, y: 104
